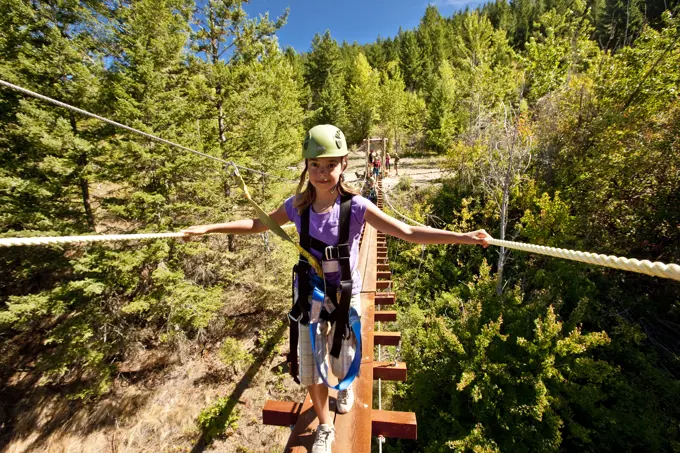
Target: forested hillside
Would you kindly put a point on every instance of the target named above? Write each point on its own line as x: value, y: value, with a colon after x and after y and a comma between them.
x: 559, y: 123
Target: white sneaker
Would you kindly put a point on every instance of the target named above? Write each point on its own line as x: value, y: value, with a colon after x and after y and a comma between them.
x: 325, y: 435
x: 345, y: 400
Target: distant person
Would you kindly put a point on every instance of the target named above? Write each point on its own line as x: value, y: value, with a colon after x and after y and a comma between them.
x: 387, y: 164
x: 369, y: 190
x: 322, y: 197
x: 396, y: 164
x: 376, y: 167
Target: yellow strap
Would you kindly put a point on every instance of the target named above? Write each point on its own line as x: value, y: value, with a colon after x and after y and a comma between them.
x: 275, y: 228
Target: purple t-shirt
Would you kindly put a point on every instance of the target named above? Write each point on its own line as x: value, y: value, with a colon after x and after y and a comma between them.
x: 324, y: 227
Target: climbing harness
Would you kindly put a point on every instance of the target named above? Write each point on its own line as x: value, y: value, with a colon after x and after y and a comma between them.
x: 329, y: 303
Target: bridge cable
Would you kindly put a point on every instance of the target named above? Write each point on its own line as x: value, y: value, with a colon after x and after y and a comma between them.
x: 131, y: 129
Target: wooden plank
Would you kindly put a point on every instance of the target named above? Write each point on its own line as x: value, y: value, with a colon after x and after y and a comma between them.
x: 368, y: 260
x: 385, y: 316
x: 385, y: 299
x: 281, y: 413
x: 384, y: 275
x: 393, y: 424
x: 383, y: 267
x: 383, y: 284
x: 353, y: 429
x: 387, y: 338
x: 389, y: 371
x: 302, y: 437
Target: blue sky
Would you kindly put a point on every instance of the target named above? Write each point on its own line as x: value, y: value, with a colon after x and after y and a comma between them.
x: 350, y: 20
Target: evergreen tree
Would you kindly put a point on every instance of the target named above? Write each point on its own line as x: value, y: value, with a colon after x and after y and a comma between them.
x: 332, y: 105
x: 431, y: 36
x: 558, y: 47
x: 364, y: 100
x: 485, y: 69
x: 621, y: 22
x: 443, y: 122
x: 226, y: 35
x: 393, y: 104
x: 49, y: 47
x: 412, y: 61
x: 323, y: 63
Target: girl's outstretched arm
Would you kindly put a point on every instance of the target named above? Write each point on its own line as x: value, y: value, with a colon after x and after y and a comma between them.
x: 382, y: 222
x: 244, y: 226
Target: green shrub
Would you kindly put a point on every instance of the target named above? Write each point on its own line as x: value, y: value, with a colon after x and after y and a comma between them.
x: 217, y: 419
x: 232, y: 353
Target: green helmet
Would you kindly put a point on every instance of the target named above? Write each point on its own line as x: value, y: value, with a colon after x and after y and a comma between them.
x: 324, y: 140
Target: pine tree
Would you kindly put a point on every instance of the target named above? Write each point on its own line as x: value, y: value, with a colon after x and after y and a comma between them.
x: 363, y: 104
x: 560, y: 46
x: 412, y: 61
x: 332, y: 106
x: 323, y: 63
x: 443, y: 122
x: 431, y: 36
x: 49, y: 47
x: 393, y: 104
x: 225, y: 35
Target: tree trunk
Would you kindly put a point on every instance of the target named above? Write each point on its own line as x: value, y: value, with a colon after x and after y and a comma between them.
x: 502, y: 255
x: 220, y: 114
x: 82, y: 180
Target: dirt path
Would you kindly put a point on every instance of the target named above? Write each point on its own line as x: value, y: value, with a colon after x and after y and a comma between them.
x: 421, y: 170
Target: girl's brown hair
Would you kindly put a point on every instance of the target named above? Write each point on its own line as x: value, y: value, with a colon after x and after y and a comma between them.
x: 304, y: 199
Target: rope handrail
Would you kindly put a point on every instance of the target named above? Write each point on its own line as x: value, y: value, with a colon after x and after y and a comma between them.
x: 397, y: 212
x: 132, y: 129
x: 656, y: 268
x: 47, y: 240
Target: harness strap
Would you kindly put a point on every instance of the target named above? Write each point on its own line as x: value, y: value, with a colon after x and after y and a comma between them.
x: 342, y: 321
x: 300, y: 310
x: 293, y: 338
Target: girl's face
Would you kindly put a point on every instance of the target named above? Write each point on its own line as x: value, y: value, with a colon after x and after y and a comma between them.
x: 324, y: 172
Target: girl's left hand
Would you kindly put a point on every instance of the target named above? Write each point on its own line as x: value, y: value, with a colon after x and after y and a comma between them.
x: 480, y: 237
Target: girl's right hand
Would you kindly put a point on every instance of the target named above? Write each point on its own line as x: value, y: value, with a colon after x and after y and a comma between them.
x: 196, y: 230
x: 480, y: 237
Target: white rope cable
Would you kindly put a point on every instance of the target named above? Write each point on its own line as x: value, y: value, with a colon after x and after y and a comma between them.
x: 657, y: 269
x: 131, y: 129
x: 48, y: 240
x: 9, y: 242
x: 397, y: 212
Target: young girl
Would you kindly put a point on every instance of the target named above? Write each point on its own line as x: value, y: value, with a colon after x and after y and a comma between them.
x: 376, y: 167
x: 319, y: 201
x: 387, y: 164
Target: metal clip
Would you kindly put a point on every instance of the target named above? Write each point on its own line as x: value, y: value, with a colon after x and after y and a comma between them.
x: 328, y: 253
x: 293, y: 319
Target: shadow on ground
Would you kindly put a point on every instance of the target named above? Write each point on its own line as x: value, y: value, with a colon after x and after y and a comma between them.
x: 234, y: 398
